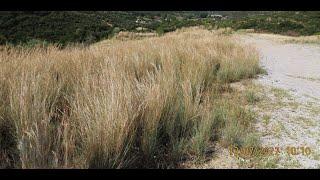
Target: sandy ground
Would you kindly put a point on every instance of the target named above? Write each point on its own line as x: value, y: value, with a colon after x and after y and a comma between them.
x: 294, y: 67
x: 289, y: 109
x: 295, y: 117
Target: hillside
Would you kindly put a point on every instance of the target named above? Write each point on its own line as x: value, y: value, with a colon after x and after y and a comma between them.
x: 92, y: 26
x: 284, y: 22
x: 79, y: 26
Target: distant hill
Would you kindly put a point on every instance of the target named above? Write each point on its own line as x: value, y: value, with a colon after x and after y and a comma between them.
x: 92, y: 26
x: 74, y: 26
x: 87, y: 26
x: 281, y: 22
x: 52, y: 26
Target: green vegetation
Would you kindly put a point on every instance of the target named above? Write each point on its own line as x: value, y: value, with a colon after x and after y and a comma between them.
x: 251, y: 97
x: 85, y: 26
x: 53, y: 27
x: 292, y: 23
x: 88, y: 27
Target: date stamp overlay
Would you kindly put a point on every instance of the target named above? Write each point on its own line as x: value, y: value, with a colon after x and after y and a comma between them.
x: 268, y: 151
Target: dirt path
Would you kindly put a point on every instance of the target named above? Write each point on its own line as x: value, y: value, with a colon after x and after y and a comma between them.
x: 290, y: 115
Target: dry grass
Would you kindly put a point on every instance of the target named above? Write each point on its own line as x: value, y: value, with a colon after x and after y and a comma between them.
x: 315, y: 39
x: 304, y: 39
x: 122, y: 104
x: 125, y: 35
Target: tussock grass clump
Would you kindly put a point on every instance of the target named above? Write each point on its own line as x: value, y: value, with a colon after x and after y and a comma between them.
x: 251, y: 97
x: 122, y: 104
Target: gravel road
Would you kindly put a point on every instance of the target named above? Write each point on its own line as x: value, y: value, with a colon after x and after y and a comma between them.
x: 295, y: 69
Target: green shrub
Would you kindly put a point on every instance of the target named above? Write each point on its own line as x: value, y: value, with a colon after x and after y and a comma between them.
x: 3, y: 39
x: 160, y: 31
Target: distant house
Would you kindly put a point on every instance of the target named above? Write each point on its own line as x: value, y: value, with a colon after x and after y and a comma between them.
x: 217, y: 16
x: 140, y: 21
x: 180, y: 18
x: 157, y: 17
x: 109, y: 24
x: 141, y: 29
